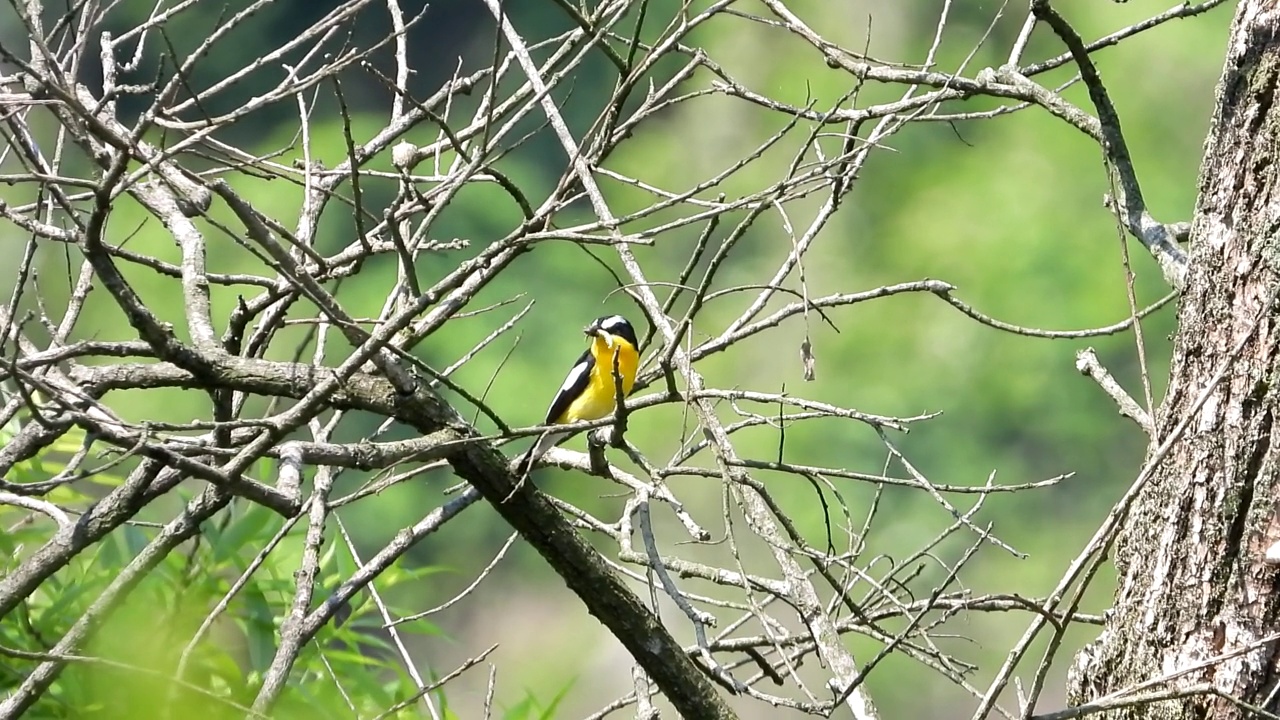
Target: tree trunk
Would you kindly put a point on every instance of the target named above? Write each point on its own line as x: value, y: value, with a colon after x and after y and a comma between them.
x: 1193, y: 582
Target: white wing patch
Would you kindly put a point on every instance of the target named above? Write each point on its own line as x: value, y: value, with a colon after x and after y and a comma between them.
x: 573, y: 386
x: 575, y: 377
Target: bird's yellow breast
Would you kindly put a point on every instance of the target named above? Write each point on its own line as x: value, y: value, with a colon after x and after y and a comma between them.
x: 599, y: 399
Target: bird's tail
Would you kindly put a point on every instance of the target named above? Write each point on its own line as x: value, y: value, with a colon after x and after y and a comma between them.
x: 546, y: 441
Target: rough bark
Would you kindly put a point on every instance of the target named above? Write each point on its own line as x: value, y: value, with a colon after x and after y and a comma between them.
x: 1193, y: 585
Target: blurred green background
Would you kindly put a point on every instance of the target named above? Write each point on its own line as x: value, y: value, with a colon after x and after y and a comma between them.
x: 1008, y: 210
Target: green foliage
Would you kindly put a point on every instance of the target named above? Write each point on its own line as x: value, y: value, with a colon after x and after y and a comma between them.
x: 531, y: 708
x: 141, y: 660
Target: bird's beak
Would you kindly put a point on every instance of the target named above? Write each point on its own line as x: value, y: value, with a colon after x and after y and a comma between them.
x: 594, y: 330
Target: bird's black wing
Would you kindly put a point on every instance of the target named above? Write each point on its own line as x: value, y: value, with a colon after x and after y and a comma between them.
x: 574, y: 385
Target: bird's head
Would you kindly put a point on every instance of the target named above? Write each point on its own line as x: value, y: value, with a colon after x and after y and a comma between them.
x: 611, y: 328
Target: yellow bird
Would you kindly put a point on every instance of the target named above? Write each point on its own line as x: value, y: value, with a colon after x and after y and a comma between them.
x: 589, y: 391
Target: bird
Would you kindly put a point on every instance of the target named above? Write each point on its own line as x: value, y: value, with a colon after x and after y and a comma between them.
x: 589, y: 391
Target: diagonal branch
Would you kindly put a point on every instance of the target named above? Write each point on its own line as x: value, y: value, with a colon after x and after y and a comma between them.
x: 1130, y: 207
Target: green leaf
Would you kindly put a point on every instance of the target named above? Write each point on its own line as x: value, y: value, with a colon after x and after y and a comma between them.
x: 259, y: 627
x: 248, y: 531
